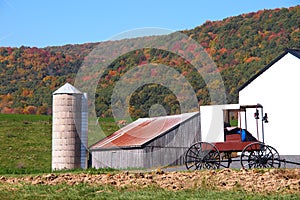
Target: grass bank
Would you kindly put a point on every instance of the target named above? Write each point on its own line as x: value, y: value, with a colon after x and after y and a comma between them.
x: 25, y: 144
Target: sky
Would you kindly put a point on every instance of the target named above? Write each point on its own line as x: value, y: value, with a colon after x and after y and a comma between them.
x: 37, y: 23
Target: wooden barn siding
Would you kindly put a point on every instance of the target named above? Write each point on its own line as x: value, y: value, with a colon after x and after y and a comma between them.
x: 119, y: 158
x: 170, y: 148
x: 160, y: 157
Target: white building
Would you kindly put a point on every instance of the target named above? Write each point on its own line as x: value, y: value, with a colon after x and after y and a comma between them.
x: 277, y: 88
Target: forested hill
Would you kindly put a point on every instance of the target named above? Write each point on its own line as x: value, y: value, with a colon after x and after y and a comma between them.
x: 239, y: 45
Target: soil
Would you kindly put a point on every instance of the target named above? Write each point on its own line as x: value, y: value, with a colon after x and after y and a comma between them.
x: 256, y: 180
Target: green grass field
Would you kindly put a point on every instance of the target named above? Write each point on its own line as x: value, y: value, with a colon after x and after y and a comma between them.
x: 108, y: 125
x: 84, y: 191
x: 25, y: 143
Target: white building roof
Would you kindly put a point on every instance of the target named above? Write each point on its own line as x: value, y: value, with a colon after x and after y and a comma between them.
x: 67, y: 89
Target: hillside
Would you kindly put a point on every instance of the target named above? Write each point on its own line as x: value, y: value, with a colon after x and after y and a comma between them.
x: 239, y: 45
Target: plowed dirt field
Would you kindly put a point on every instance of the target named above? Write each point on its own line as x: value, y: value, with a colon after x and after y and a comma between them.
x: 262, y: 181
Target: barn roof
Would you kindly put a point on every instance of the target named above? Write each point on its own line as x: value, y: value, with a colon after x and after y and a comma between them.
x: 142, y: 131
x: 295, y: 52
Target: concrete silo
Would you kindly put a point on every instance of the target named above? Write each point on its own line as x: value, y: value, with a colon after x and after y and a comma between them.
x: 69, y: 128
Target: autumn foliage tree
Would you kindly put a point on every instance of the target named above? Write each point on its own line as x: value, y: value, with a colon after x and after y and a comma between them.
x: 240, y: 46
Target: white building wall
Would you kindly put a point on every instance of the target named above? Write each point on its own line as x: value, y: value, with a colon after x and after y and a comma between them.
x: 277, y: 89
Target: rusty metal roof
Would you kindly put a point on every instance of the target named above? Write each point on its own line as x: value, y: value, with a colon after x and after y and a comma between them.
x: 142, y: 131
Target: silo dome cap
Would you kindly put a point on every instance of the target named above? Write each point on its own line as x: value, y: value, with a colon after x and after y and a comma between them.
x: 67, y: 89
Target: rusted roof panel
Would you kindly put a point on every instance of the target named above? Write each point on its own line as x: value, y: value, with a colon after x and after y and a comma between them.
x: 142, y: 131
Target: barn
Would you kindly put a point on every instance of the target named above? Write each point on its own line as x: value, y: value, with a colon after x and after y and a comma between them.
x: 276, y: 87
x: 148, y: 142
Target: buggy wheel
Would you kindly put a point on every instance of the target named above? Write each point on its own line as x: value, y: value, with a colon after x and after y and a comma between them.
x: 202, y: 155
x: 257, y: 155
x: 276, y: 157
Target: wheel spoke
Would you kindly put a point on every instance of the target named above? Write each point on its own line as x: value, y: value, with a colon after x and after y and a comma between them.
x: 270, y: 154
x: 202, y: 155
x: 275, y: 156
x: 199, y: 165
x: 190, y: 166
x: 193, y: 152
x: 193, y: 157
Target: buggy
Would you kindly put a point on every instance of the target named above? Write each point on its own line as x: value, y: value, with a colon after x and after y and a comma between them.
x: 239, y: 145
